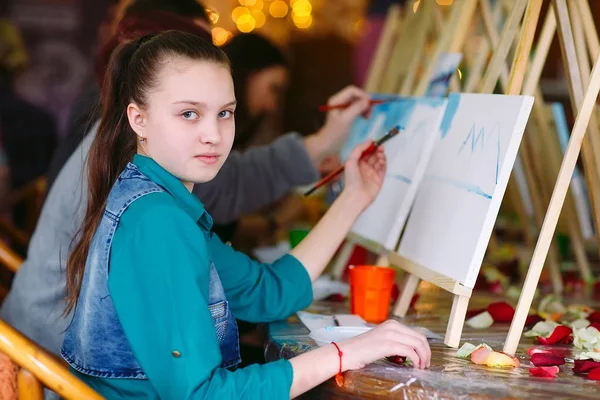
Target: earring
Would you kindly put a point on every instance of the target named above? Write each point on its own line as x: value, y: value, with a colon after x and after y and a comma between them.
x: 142, y: 140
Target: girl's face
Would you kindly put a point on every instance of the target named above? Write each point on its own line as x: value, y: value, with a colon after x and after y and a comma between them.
x: 188, y: 124
x: 265, y: 90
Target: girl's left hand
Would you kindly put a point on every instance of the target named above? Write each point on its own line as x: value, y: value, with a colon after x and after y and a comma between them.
x: 364, y: 177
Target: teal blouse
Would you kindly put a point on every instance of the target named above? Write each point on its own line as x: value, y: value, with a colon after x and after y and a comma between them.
x: 158, y: 281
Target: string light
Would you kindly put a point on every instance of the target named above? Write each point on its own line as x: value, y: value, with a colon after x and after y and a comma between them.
x: 289, y: 15
x: 278, y: 9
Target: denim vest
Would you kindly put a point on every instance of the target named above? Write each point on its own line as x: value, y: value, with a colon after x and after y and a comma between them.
x: 95, y: 343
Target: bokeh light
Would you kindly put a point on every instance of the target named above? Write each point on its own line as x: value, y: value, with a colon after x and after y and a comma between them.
x: 302, y: 22
x: 246, y: 23
x: 220, y: 36
x: 278, y: 9
x: 247, y: 3
x: 213, y: 16
x: 238, y: 12
x: 258, y: 5
x: 416, y: 5
x: 302, y: 8
x: 259, y: 17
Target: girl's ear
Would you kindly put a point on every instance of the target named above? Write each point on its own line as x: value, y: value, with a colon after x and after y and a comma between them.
x: 137, y: 119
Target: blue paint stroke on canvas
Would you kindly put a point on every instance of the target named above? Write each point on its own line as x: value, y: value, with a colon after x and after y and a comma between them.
x: 398, y: 111
x: 479, y: 137
x: 474, y: 139
x: 498, y: 155
x: 475, y: 189
x: 400, y: 178
x: 451, y: 108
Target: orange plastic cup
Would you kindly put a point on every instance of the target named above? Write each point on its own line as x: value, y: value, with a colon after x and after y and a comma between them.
x: 371, y: 291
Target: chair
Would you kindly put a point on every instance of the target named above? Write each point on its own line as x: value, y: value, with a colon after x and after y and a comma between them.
x: 8, y: 258
x: 27, y: 368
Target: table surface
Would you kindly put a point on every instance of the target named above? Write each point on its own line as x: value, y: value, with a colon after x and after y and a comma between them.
x: 449, y: 376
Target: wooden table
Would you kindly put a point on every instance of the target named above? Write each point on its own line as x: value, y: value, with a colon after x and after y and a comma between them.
x: 449, y: 377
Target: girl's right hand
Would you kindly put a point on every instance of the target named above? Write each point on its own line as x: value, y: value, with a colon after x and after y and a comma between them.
x: 386, y: 340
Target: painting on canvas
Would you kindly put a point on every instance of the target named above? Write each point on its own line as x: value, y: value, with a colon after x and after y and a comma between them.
x: 407, y: 155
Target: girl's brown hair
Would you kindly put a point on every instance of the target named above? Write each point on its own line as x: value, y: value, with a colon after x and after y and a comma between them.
x: 132, y: 72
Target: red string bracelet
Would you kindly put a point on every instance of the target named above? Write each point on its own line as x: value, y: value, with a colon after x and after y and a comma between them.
x: 339, y: 378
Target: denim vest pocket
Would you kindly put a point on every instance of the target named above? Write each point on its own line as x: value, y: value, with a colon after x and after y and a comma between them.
x: 219, y: 312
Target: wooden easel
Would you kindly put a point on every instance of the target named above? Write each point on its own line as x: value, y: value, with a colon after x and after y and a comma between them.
x: 451, y: 38
x: 461, y: 293
x: 586, y: 105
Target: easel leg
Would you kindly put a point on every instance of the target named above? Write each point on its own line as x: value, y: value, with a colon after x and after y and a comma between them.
x: 457, y: 321
x: 337, y: 270
x: 554, y: 269
x: 382, y: 261
x: 580, y: 255
x: 409, y: 290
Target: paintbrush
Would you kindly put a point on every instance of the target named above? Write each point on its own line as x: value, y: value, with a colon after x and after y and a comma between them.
x: 365, y: 153
x: 335, y: 320
x: 325, y: 107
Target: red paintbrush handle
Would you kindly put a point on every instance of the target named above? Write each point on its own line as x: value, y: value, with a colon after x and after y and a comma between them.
x: 340, y: 169
x: 325, y: 180
x: 325, y: 108
x: 368, y: 151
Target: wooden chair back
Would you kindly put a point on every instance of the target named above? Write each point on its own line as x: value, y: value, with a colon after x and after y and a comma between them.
x: 27, y: 369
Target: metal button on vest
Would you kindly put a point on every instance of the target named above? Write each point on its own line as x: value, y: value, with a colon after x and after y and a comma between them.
x: 176, y: 354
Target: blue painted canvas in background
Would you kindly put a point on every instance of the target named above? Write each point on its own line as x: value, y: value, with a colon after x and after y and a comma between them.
x: 445, y: 68
x: 578, y: 184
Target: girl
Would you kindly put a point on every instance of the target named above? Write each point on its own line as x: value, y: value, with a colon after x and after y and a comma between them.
x: 154, y: 292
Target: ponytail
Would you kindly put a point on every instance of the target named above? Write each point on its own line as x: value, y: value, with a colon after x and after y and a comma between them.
x: 113, y: 146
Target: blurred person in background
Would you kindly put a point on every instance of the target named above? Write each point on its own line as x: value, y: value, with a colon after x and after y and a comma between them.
x: 29, y: 133
x: 260, y: 73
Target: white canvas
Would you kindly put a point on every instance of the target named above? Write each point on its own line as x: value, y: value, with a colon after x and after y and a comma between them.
x: 459, y: 197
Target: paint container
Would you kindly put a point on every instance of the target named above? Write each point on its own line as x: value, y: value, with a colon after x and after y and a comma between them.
x: 371, y: 291
x: 296, y: 236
